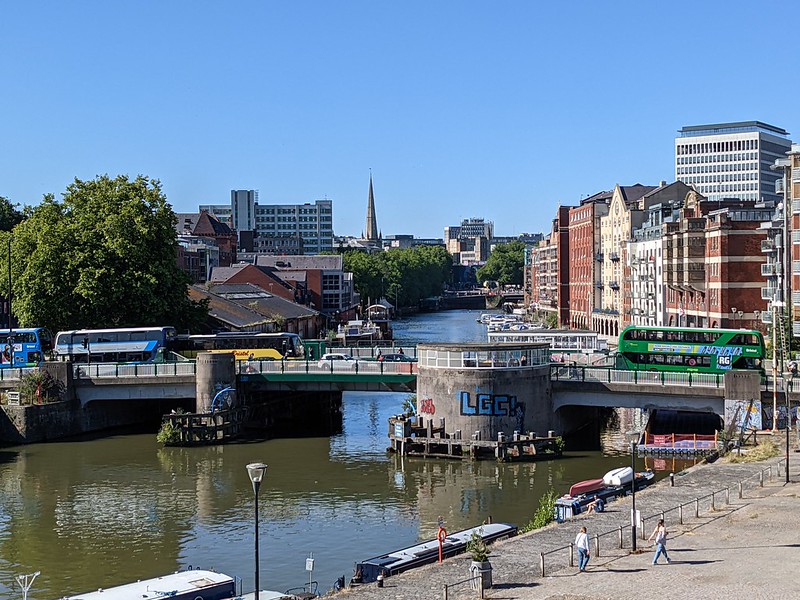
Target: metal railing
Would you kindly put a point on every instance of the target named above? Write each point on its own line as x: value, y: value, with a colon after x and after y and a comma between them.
x: 475, y: 583
x: 695, y: 504
x: 109, y: 370
x: 612, y: 375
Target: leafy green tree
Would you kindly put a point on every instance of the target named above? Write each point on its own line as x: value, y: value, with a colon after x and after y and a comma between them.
x: 505, y: 264
x: 9, y: 215
x: 103, y: 257
x: 403, y: 276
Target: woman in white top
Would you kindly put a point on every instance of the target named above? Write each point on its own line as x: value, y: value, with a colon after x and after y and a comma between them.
x: 582, y: 544
x: 660, y: 533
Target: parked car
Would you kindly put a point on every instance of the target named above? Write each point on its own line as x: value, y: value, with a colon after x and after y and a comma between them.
x: 328, y: 360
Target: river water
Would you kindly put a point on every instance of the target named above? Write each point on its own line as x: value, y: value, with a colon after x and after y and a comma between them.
x: 102, y: 512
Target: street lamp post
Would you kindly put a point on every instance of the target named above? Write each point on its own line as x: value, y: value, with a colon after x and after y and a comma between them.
x: 256, y: 472
x: 633, y: 437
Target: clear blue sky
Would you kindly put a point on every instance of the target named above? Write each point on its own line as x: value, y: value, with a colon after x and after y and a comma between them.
x: 501, y: 110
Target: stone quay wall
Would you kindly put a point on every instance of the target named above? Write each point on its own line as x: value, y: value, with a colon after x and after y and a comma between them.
x: 768, y: 542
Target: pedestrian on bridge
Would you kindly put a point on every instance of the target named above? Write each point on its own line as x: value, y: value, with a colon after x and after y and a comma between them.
x: 582, y: 544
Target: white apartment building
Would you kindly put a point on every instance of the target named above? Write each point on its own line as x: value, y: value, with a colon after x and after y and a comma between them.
x: 311, y: 222
x: 731, y: 160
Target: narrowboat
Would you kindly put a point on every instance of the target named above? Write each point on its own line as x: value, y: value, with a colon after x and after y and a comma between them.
x: 192, y: 584
x: 398, y: 561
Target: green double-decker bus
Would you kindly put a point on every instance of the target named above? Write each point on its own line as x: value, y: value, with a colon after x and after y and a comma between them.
x: 690, y: 350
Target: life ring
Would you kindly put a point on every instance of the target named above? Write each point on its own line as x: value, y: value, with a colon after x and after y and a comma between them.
x: 441, y: 535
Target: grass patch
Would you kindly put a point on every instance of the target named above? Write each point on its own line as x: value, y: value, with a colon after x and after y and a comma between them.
x: 765, y: 450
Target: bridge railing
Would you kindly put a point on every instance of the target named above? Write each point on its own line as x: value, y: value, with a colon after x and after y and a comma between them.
x: 508, y: 358
x: 340, y: 367
x: 611, y: 375
x: 112, y: 370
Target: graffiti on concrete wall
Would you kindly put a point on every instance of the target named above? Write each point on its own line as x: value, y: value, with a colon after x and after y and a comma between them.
x: 492, y: 405
x: 427, y: 407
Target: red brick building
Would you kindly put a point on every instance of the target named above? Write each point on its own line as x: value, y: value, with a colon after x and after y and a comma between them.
x: 583, y: 275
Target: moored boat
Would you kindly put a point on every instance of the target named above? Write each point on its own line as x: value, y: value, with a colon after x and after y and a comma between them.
x: 182, y: 585
x: 614, y: 484
x: 584, y: 487
x: 398, y: 561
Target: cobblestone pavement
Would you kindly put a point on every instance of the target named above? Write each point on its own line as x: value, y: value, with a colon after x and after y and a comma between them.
x: 748, y: 548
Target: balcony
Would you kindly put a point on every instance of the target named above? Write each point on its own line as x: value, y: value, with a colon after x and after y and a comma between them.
x: 768, y: 245
x: 614, y: 256
x: 766, y: 316
x: 780, y: 187
x: 796, y: 298
x: 599, y: 285
x: 599, y: 257
x: 796, y: 203
x: 613, y: 285
x: 768, y: 293
x: 768, y: 269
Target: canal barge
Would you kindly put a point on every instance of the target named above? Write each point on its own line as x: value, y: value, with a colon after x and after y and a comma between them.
x: 399, y: 561
x: 192, y: 584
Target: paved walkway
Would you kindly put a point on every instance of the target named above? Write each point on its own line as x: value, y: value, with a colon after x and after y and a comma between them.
x: 749, y: 548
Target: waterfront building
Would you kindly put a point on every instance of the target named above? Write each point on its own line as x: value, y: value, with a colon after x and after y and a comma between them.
x: 731, y: 160
x: 625, y: 211
x: 712, y: 263
x: 541, y: 277
x: 313, y: 223
x: 246, y: 307
x: 643, y: 302
x: 266, y: 278
x: 328, y: 287
x: 782, y: 247
x: 584, y: 273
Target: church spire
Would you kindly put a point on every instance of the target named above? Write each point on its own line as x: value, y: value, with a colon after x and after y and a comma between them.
x: 372, y: 222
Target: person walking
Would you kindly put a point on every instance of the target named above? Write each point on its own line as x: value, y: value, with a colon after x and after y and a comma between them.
x: 660, y: 534
x: 582, y: 544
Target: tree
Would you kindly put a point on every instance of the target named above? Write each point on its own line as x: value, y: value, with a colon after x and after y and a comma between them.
x: 103, y: 257
x: 505, y: 264
x: 9, y: 215
x: 403, y: 276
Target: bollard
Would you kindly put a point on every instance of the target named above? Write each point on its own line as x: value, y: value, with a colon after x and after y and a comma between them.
x: 596, y: 545
x: 672, y: 479
x: 541, y: 562
x: 620, y: 535
x: 727, y: 496
x: 761, y: 478
x: 380, y: 580
x: 662, y: 515
x: 713, y: 508
x: 680, y: 514
x: 445, y: 591
x: 697, y: 508
x: 740, y: 490
x: 770, y: 472
x: 571, y: 554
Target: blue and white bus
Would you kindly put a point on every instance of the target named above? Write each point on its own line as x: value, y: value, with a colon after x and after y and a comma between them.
x: 135, y: 344
x: 24, y: 347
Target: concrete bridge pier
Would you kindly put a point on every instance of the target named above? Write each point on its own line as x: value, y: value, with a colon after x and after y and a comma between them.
x: 216, y: 371
x: 483, y: 390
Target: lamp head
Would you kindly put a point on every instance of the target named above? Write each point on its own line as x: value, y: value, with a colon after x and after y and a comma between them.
x: 256, y: 472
